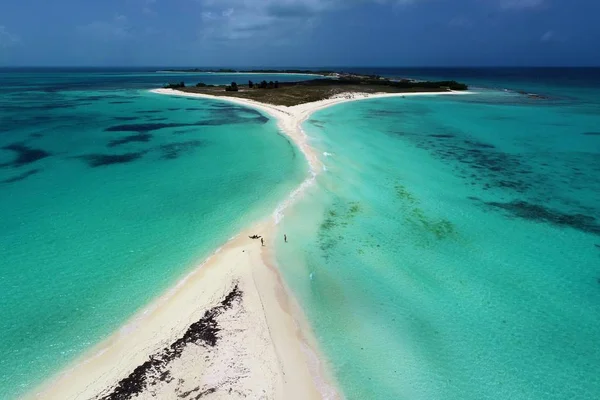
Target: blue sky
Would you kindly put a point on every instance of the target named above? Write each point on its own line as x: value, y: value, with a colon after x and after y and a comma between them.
x: 299, y: 32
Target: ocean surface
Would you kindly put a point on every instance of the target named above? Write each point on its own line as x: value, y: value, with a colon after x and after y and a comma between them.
x: 450, y: 249
x: 110, y: 194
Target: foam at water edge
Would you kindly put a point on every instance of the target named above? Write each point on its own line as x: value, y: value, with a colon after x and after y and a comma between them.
x: 314, y: 171
x: 327, y: 391
x: 278, y: 214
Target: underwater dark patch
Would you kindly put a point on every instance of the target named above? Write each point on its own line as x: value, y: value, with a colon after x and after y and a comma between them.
x: 479, y: 145
x: 317, y: 123
x: 149, y: 111
x: 234, y: 111
x: 22, y: 176
x: 56, y: 105
x: 495, y: 168
x: 173, y: 109
x: 261, y: 120
x: 25, y: 155
x: 125, y: 118
x: 539, y: 213
x: 148, y: 127
x: 36, y: 135
x: 142, y: 127
x: 193, y: 109
x: 101, y: 160
x: 172, y: 151
x: 219, y: 104
x: 120, y: 102
x: 442, y: 135
x: 140, y: 138
x: 384, y: 113
x: 591, y: 133
x: 99, y: 97
x: 157, y: 119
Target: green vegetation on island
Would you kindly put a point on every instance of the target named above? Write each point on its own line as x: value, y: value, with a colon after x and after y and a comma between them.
x: 294, y: 93
x: 177, y: 85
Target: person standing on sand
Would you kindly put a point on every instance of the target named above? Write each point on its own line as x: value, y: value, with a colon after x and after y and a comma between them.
x: 262, y: 241
x: 285, y: 237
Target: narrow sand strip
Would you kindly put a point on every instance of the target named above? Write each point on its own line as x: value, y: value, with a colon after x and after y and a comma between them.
x: 230, y: 329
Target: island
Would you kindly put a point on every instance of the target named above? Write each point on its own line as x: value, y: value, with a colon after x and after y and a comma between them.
x: 307, y: 91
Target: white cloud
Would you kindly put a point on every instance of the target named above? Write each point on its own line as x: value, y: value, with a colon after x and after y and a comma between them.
x: 520, y: 4
x: 147, y: 8
x: 116, y: 28
x: 8, y: 39
x: 553, y: 37
x: 244, y: 19
x: 548, y: 36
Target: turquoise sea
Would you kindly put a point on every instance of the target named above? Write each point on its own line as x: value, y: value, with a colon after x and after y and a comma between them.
x: 110, y: 194
x: 451, y: 247
x: 450, y: 250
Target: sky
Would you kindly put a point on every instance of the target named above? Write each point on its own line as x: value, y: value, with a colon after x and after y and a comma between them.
x: 299, y: 33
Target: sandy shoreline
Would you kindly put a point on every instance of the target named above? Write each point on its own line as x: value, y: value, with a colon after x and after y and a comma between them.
x: 230, y: 329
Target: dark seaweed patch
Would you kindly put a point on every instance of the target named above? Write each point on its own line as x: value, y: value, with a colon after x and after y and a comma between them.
x: 98, y: 97
x: 442, y: 136
x: 261, y: 120
x: 591, y: 133
x: 21, y: 177
x: 384, y: 113
x: 143, y: 127
x: 539, y: 213
x: 173, y: 109
x: 317, y: 123
x: 147, y: 127
x: 492, y: 168
x: 149, y: 111
x: 204, y: 332
x: 479, y: 145
x: 172, y: 151
x: 25, y: 155
x: 140, y: 137
x: 101, y: 160
x: 232, y: 112
x: 57, y: 105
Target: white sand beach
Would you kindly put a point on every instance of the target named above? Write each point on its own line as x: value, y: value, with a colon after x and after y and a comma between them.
x: 230, y: 329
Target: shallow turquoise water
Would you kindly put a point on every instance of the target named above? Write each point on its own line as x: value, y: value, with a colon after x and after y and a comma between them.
x: 451, y: 249
x: 108, y: 197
